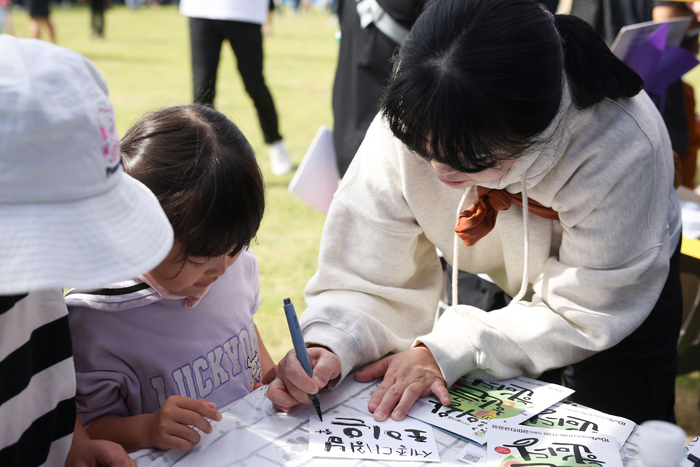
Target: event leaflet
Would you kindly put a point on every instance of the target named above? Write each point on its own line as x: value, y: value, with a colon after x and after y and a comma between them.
x: 527, y: 446
x: 475, y: 403
x: 566, y: 416
x: 572, y: 417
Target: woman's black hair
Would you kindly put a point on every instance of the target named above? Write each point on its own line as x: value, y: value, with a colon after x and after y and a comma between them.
x: 204, y: 173
x: 476, y: 81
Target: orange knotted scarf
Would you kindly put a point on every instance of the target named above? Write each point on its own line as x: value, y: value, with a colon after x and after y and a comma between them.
x: 478, y: 219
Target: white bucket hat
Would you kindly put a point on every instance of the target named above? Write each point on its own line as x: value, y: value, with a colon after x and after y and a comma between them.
x: 69, y: 215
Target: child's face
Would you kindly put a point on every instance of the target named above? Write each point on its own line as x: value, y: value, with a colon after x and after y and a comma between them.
x: 194, y: 276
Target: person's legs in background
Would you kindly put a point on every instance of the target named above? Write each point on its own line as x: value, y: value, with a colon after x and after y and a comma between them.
x: 267, y: 27
x: 97, y: 18
x: 205, y: 46
x: 38, y: 17
x: 246, y: 41
x: 35, y: 26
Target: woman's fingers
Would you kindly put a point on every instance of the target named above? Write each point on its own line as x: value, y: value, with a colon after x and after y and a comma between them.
x: 407, y: 376
x: 280, y: 397
x: 441, y: 392
x: 293, y: 386
x: 372, y: 371
x: 325, y: 364
x: 299, y: 384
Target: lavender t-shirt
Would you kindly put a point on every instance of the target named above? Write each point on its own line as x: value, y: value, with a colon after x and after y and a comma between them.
x: 133, y: 349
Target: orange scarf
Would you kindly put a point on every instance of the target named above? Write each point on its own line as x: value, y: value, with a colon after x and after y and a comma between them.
x: 479, y: 219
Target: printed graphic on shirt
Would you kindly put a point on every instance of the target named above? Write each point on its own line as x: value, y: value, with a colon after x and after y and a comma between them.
x: 237, y: 357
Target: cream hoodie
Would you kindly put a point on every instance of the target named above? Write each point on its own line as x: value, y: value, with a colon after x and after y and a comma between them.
x: 593, y: 276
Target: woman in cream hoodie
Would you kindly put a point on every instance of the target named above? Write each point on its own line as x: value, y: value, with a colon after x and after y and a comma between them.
x: 566, y: 170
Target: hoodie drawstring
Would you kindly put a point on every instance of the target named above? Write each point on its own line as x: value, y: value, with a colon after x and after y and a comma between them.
x: 526, y: 259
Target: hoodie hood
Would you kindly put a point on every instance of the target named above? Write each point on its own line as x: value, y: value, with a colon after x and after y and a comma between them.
x: 538, y: 159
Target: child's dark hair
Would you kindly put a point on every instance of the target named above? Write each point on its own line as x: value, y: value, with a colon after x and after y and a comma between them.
x: 204, y: 173
x: 476, y: 81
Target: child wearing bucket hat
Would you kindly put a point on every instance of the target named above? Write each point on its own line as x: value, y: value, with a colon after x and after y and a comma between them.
x: 155, y: 355
x: 69, y: 216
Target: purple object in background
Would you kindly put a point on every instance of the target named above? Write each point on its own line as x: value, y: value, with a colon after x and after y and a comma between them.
x: 658, y: 64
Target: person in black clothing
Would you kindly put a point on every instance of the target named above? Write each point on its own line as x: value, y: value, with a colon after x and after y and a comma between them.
x: 364, y: 66
x: 97, y: 18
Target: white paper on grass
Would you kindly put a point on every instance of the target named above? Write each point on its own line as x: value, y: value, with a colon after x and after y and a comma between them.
x: 524, y: 446
x: 474, y: 403
x: 316, y: 179
x: 352, y: 436
x: 573, y: 417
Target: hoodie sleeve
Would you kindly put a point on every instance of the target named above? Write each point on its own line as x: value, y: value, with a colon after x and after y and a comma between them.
x: 379, y: 278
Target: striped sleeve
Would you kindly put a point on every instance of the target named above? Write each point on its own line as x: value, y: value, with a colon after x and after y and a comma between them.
x: 37, y: 379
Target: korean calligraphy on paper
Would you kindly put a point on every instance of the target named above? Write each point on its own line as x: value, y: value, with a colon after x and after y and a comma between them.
x: 352, y: 436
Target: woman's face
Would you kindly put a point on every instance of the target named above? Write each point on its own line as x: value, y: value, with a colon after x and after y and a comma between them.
x: 462, y: 180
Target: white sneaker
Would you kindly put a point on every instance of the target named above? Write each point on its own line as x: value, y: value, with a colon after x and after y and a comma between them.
x: 279, y: 158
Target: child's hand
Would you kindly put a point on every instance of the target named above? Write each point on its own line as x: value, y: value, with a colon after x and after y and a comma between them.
x: 270, y: 375
x: 168, y: 427
x: 91, y: 453
x: 292, y: 385
x: 86, y: 452
x: 407, y: 376
x: 268, y: 378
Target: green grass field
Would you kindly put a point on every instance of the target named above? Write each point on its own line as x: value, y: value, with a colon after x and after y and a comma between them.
x: 145, y: 60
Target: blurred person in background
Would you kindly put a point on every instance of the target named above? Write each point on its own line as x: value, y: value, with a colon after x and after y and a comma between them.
x: 39, y: 18
x: 679, y: 111
x: 240, y: 23
x: 5, y: 21
x: 364, y: 66
x: 97, y: 17
x: 608, y: 17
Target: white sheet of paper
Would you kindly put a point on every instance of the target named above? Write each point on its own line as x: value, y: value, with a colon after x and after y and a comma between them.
x: 572, y: 417
x: 476, y: 402
x: 690, y: 214
x: 539, y: 446
x: 316, y: 179
x: 357, y: 437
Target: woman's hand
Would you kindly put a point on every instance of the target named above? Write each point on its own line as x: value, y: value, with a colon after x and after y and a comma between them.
x: 407, y: 375
x: 292, y: 386
x: 169, y: 427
